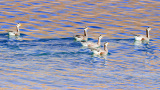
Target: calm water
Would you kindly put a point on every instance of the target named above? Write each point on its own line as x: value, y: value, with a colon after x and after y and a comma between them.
x: 46, y: 56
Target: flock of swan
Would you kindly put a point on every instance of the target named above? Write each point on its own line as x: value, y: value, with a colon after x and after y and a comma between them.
x: 95, y: 46
x: 91, y: 45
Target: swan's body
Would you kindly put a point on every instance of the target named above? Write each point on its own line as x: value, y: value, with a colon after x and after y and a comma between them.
x: 98, y: 51
x: 82, y: 37
x: 143, y: 37
x: 15, y: 33
x: 91, y: 44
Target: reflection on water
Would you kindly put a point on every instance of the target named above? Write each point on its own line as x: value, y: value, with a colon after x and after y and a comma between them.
x: 45, y: 55
x: 15, y: 38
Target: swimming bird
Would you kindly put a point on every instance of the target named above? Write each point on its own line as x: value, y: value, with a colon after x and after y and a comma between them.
x: 15, y: 33
x: 82, y: 37
x: 98, y: 51
x: 143, y: 37
x: 92, y: 44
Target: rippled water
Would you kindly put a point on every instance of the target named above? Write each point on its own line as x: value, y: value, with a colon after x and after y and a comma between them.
x: 46, y: 56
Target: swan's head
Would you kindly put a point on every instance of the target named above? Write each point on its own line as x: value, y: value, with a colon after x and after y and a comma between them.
x: 106, y: 43
x: 86, y: 28
x: 100, y: 37
x: 149, y: 29
x: 18, y: 24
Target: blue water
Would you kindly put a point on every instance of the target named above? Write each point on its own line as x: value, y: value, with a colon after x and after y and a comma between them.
x: 62, y: 63
x: 46, y: 56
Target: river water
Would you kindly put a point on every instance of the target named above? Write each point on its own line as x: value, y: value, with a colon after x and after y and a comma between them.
x: 46, y: 56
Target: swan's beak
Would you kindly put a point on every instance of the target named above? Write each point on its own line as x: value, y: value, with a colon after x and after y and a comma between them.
x: 149, y: 28
x: 19, y: 24
x: 86, y: 27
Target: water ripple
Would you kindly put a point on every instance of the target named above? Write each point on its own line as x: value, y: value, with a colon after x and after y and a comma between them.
x: 46, y: 56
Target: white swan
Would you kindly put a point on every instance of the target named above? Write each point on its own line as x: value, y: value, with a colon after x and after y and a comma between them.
x: 143, y: 37
x: 92, y: 44
x: 15, y: 33
x: 98, y: 51
x: 82, y: 37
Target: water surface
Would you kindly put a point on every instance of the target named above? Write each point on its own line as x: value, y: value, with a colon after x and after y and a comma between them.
x: 46, y: 56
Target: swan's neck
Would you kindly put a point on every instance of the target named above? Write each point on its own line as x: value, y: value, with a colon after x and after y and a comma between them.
x: 147, y: 33
x: 99, y: 41
x: 85, y: 32
x: 18, y: 29
x: 105, y: 48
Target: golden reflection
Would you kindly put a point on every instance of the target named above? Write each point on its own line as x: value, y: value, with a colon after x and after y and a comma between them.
x: 120, y: 18
x: 109, y: 18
